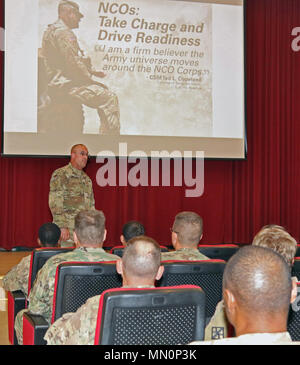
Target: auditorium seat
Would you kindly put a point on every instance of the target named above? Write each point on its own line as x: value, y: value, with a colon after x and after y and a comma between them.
x: 75, y: 282
x: 16, y: 299
x: 145, y: 316
x: 208, y: 274
x: 21, y: 248
x: 118, y: 250
x: 296, y: 268
x: 222, y: 252
x: 293, y: 326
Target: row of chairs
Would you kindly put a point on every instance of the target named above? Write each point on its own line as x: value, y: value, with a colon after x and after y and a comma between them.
x: 223, y: 252
x: 76, y: 282
x: 220, y: 251
x: 160, y: 316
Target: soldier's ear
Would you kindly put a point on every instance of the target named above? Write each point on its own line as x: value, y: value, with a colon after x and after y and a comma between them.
x: 104, y: 236
x: 119, y: 267
x: 230, y: 305
x: 160, y: 272
x: 76, y: 241
x: 294, y: 291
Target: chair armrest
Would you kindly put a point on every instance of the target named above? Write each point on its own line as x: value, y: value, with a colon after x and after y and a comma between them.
x: 34, y: 329
x: 16, y: 301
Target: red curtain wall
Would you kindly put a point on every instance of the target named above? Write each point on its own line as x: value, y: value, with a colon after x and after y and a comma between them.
x: 239, y: 196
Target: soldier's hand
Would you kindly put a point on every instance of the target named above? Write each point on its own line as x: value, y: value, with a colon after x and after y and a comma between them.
x: 65, y: 234
x: 99, y: 74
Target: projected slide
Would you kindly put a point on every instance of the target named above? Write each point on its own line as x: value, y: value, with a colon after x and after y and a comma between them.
x: 157, y: 75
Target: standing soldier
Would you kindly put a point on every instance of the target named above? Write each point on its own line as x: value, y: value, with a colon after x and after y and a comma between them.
x: 70, y: 74
x: 71, y: 191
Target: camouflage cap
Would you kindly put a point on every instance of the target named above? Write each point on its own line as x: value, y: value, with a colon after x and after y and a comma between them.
x: 72, y: 5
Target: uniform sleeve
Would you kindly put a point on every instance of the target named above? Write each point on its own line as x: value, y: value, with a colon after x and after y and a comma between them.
x: 217, y: 328
x: 17, y: 277
x: 75, y: 328
x: 69, y: 48
x: 91, y: 197
x: 56, y: 200
x: 41, y: 294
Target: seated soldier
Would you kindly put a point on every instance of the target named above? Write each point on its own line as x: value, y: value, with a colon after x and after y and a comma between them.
x: 89, y: 235
x: 187, y: 231
x: 139, y: 267
x: 257, y: 292
x: 17, y: 277
x: 131, y: 229
x: 271, y: 236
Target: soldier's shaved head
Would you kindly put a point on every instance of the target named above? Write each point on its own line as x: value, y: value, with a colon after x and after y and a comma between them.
x: 78, y: 146
x: 189, y: 227
x: 90, y: 227
x: 141, y: 257
x: 260, y: 281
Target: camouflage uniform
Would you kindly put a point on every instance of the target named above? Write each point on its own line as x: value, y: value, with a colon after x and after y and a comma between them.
x: 218, y: 326
x: 70, y: 74
x: 41, y: 295
x: 17, y: 277
x: 191, y: 254
x: 71, y: 191
x: 77, y: 328
x: 280, y: 338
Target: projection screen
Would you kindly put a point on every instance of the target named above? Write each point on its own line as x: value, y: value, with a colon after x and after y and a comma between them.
x: 153, y: 75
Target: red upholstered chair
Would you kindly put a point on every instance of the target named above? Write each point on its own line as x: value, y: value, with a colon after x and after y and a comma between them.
x: 75, y: 282
x: 118, y: 250
x: 16, y: 299
x: 145, y: 316
x: 293, y: 325
x: 222, y: 252
x: 208, y: 274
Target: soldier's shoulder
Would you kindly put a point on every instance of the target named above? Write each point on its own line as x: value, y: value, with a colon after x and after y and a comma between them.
x: 86, y: 176
x: 65, y: 35
x: 60, y: 171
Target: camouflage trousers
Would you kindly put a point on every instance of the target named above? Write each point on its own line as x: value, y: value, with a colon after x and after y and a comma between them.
x: 105, y: 101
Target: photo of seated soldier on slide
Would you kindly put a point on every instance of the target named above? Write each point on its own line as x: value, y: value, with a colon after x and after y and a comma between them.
x: 66, y: 80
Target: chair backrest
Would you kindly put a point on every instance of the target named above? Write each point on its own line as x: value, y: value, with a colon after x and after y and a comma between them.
x: 75, y: 282
x: 296, y: 268
x: 145, y: 316
x: 293, y: 325
x: 208, y: 274
x: 222, y: 252
x: 38, y: 258
x: 118, y: 250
